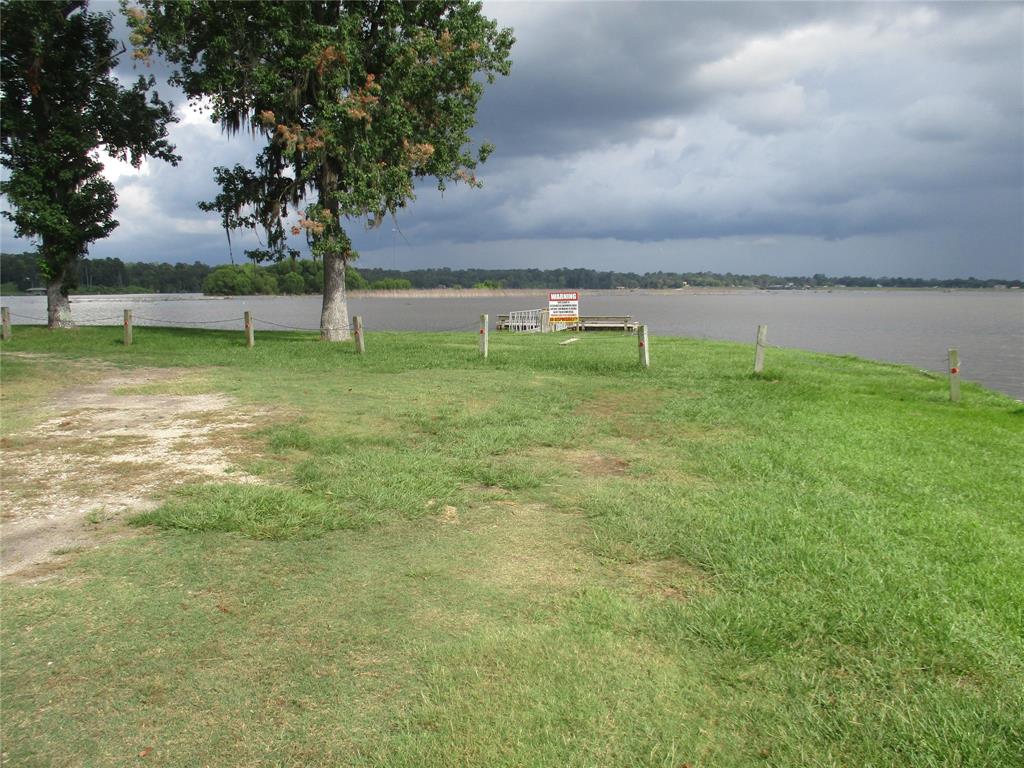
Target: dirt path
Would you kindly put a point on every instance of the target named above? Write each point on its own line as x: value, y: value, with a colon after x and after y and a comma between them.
x: 104, y: 451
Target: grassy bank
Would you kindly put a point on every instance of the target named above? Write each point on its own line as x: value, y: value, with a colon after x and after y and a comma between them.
x: 547, y: 558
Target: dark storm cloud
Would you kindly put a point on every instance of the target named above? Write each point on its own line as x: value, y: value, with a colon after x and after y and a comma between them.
x: 691, y: 120
x: 646, y: 126
x: 591, y: 73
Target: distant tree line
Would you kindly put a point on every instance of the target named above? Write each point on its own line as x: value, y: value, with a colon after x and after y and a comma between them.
x: 20, y: 271
x: 290, y: 276
x: 593, y: 279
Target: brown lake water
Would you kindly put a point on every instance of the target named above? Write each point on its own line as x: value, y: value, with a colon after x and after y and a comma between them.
x: 912, y: 327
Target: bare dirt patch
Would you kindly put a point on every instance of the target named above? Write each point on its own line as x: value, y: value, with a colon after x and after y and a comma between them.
x: 583, y: 462
x: 103, y: 452
x: 668, y: 579
x: 630, y: 414
x: 597, y: 464
x: 526, y: 548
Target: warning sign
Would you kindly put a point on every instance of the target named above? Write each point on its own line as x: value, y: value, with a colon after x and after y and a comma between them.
x: 564, y: 306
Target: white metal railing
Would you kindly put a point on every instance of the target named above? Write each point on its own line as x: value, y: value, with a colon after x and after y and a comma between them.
x: 525, y: 320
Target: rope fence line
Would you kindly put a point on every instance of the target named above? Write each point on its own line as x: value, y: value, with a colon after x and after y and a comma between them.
x: 943, y: 360
x: 939, y: 371
x: 187, y: 322
x: 349, y: 327
x: 465, y: 327
x: 949, y: 363
x: 938, y: 361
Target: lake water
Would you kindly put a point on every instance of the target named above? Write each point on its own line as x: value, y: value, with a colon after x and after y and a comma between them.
x: 913, y: 327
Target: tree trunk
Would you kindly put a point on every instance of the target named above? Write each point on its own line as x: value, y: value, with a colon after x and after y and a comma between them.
x: 334, y: 316
x: 58, y: 308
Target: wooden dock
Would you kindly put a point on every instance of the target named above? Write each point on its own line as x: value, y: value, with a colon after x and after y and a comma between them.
x: 623, y: 323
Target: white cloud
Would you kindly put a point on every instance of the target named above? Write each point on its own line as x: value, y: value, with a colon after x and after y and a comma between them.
x: 115, y: 169
x: 769, y: 61
x: 197, y: 113
x: 785, y: 107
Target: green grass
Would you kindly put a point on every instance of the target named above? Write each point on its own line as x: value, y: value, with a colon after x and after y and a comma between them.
x: 547, y: 558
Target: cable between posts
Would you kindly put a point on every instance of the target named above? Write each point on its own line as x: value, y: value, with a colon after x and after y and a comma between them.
x: 197, y: 323
x: 348, y: 327
x: 941, y: 363
x: 351, y: 326
x: 464, y: 327
x: 44, y: 320
x: 188, y: 322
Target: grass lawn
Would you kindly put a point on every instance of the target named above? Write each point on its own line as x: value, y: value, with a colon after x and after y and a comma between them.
x: 550, y: 558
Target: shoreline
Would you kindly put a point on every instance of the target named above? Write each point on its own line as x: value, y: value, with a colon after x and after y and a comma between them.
x: 454, y: 293
x: 484, y: 293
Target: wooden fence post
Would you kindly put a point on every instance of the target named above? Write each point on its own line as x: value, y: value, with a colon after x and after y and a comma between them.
x: 357, y: 331
x: 762, y: 339
x: 644, y: 347
x: 483, y: 335
x: 545, y: 321
x: 954, y: 376
x: 127, y: 327
x: 5, y: 317
x: 250, y: 332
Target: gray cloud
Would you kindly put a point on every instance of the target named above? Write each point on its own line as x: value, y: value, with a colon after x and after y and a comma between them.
x: 826, y: 127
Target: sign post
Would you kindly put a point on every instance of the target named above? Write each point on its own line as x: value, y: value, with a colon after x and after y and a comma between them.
x: 564, y: 307
x: 954, y: 375
x: 762, y: 340
x: 357, y: 331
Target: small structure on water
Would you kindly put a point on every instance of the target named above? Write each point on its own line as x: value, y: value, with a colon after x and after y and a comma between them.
x: 538, y: 321
x: 563, y: 313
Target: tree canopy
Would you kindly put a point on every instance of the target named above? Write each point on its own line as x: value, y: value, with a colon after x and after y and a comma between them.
x: 356, y: 100
x: 60, y: 104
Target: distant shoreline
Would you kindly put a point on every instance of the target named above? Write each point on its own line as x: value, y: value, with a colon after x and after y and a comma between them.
x: 450, y: 293
x: 454, y: 293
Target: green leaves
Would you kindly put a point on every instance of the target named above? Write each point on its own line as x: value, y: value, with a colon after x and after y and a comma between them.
x: 355, y: 101
x: 60, y: 104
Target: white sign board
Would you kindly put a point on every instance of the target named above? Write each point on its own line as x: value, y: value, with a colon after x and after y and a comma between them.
x: 564, y: 306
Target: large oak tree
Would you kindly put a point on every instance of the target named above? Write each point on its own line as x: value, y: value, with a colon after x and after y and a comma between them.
x: 356, y: 101
x: 60, y: 104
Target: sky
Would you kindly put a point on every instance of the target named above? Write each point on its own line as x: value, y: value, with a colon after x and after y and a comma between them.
x: 782, y: 138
